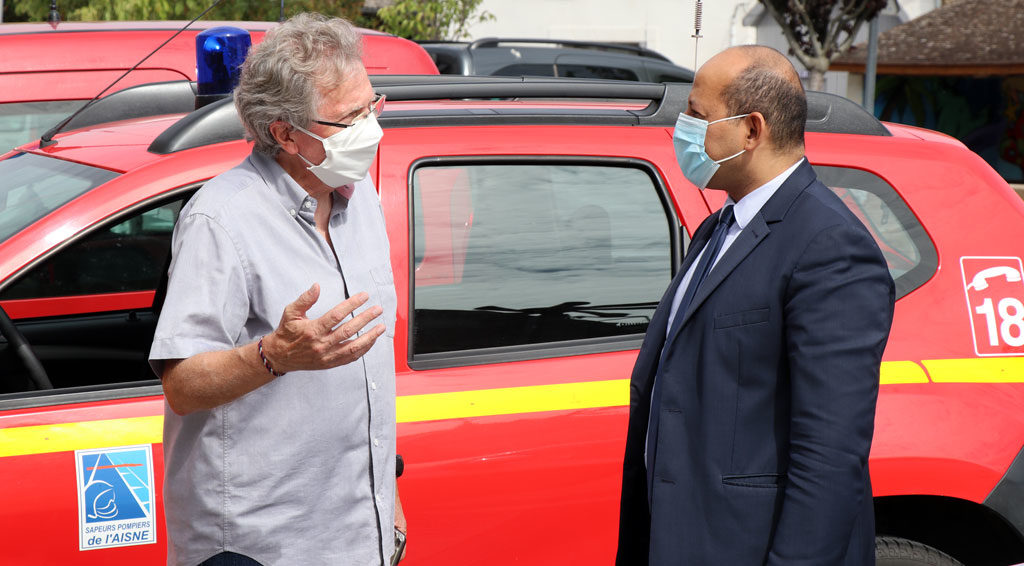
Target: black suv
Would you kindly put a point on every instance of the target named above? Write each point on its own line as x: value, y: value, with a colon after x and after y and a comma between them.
x: 553, y: 58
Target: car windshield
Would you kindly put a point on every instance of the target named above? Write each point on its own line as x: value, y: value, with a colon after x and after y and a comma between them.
x: 22, y: 122
x: 33, y: 186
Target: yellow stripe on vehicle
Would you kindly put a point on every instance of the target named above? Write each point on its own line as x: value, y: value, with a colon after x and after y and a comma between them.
x: 976, y: 370
x: 512, y: 400
x: 902, y: 372
x: 42, y: 439
x: 62, y: 437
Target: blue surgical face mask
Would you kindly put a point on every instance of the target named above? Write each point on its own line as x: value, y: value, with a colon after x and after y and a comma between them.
x: 696, y: 164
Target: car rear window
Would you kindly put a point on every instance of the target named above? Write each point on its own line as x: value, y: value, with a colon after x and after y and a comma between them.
x: 22, y: 122
x: 568, y: 70
x: 595, y: 72
x: 908, y: 251
x: 35, y: 185
x: 527, y: 69
x: 511, y: 256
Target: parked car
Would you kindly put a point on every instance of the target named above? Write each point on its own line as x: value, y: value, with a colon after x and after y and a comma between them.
x: 52, y: 70
x: 534, y: 225
x: 550, y: 58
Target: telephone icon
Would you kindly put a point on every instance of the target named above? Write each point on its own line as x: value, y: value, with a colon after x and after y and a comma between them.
x: 980, y: 281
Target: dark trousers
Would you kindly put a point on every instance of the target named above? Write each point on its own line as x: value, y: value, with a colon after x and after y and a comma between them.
x: 229, y: 559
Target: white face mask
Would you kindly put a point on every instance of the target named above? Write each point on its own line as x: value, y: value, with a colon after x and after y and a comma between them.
x: 349, y: 152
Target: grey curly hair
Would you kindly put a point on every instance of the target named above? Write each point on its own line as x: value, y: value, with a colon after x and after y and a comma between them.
x: 283, y: 76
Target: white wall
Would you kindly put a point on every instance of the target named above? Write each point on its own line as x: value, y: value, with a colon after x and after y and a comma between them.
x: 663, y: 25
x: 910, y: 9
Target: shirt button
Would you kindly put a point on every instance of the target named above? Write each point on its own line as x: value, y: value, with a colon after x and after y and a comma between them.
x: 293, y: 213
x: 376, y: 442
x: 307, y: 204
x: 373, y: 385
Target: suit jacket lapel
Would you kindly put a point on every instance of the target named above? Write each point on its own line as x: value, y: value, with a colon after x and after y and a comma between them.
x: 745, y: 243
x: 659, y: 321
x: 756, y: 230
x: 654, y: 340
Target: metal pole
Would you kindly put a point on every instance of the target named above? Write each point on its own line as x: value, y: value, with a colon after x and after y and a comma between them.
x: 871, y: 66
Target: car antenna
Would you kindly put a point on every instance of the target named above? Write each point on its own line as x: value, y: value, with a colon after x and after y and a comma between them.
x: 47, y: 138
x: 696, y: 31
x: 53, y: 18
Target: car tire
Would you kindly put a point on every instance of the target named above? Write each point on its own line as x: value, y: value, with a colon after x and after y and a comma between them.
x: 895, y: 551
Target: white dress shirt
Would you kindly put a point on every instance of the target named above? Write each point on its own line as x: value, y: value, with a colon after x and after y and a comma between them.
x: 744, y: 212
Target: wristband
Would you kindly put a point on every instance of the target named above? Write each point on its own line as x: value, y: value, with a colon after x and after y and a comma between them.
x: 266, y: 362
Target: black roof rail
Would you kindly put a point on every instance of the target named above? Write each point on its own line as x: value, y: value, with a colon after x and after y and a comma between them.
x: 153, y: 99
x: 826, y: 112
x: 665, y: 100
x: 214, y: 123
x: 218, y: 122
x: 643, y: 51
x: 436, y: 87
x: 830, y: 113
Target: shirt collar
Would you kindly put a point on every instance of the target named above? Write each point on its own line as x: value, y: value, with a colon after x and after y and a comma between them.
x: 290, y: 194
x: 751, y: 204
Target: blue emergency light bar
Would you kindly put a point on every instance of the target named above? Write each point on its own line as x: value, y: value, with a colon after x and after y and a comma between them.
x: 220, y: 52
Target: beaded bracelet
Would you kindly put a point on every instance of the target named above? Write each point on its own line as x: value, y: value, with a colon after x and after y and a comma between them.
x: 266, y: 363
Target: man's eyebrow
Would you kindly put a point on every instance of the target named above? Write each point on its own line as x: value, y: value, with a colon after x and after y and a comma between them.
x: 356, y: 109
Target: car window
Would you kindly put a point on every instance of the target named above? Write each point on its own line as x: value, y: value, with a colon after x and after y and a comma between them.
x: 595, y: 72
x: 517, y: 255
x: 535, y: 70
x: 908, y: 251
x: 447, y: 63
x: 667, y: 78
x: 128, y: 256
x: 35, y: 185
x: 22, y: 122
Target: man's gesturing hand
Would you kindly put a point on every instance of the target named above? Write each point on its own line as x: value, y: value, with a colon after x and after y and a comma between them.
x: 299, y: 343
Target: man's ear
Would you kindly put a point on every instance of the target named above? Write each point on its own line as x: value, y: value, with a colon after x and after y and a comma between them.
x: 284, y: 134
x: 757, y: 131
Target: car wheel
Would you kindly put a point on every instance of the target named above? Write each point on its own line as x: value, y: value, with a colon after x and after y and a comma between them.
x: 16, y: 342
x: 894, y: 551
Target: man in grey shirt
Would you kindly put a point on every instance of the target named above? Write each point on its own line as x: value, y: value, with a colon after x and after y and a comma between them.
x: 276, y: 340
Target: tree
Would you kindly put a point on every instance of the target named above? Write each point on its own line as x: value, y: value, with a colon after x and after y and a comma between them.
x: 432, y: 20
x: 819, y: 31
x: 255, y: 10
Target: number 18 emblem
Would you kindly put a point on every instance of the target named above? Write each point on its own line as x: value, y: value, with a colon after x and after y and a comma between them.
x: 994, y: 287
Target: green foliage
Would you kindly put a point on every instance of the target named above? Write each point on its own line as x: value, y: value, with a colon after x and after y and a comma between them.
x: 99, y: 10
x: 432, y: 20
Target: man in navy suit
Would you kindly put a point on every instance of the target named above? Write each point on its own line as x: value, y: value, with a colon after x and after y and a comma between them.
x: 752, y: 402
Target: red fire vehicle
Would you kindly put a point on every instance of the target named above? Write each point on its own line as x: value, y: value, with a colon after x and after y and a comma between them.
x: 534, y: 224
x: 49, y: 71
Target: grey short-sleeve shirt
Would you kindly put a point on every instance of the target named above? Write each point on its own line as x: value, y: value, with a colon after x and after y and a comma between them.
x: 301, y: 470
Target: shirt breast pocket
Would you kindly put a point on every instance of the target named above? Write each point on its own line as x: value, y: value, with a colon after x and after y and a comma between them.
x: 742, y: 318
x: 384, y: 282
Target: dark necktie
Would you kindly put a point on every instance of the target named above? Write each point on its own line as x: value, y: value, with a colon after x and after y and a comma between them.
x: 700, y: 273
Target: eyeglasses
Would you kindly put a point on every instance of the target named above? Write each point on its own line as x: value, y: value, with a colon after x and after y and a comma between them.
x: 375, y: 107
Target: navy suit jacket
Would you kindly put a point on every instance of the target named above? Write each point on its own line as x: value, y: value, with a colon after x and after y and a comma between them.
x: 768, y: 394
